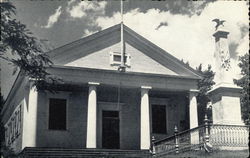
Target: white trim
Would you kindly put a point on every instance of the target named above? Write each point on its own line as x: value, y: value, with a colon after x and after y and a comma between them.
x: 94, y: 83
x: 59, y: 95
x: 108, y: 106
x: 117, y: 63
x: 146, y: 87
x: 193, y: 90
x: 163, y: 102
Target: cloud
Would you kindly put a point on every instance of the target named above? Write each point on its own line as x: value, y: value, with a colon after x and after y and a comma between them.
x: 189, y: 37
x: 84, y: 7
x: 70, y: 2
x: 186, y: 7
x: 53, y: 18
x: 88, y: 32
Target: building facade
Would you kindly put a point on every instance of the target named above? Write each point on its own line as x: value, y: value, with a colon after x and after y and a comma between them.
x: 98, y: 107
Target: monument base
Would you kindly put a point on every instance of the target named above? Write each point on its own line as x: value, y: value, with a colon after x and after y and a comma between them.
x: 226, y: 109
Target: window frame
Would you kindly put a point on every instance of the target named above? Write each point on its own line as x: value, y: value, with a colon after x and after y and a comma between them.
x: 117, y: 63
x: 59, y: 95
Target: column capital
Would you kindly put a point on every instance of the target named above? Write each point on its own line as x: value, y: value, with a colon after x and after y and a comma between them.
x: 93, y: 83
x: 146, y: 87
x: 194, y: 92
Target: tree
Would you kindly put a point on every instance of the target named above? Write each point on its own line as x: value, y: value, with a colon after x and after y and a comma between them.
x: 244, y: 83
x: 5, y: 151
x: 27, y: 52
x: 204, y: 86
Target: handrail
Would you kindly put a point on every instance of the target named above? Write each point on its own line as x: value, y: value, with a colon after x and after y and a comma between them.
x: 231, y: 125
x: 172, y: 136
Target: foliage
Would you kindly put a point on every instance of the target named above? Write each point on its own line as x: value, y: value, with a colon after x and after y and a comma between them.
x: 8, y: 153
x: 1, y: 127
x: 4, y: 150
x: 244, y: 83
x: 27, y: 52
x: 204, y: 86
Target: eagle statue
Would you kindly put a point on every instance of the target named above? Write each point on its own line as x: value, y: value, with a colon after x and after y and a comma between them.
x: 218, y: 23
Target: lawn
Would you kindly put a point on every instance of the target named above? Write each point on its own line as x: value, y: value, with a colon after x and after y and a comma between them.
x: 214, y: 154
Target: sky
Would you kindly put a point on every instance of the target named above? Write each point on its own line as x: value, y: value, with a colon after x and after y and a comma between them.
x: 182, y: 28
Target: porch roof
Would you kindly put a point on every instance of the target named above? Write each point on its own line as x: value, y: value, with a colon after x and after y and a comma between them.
x: 81, y: 75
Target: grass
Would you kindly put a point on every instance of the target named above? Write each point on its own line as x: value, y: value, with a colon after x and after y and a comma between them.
x: 214, y: 154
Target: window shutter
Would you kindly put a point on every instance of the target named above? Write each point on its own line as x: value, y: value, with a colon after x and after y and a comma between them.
x: 128, y: 59
x: 111, y: 57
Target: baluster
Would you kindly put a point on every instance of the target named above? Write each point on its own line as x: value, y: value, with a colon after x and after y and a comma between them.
x: 206, y: 130
x: 238, y: 138
x: 153, y: 145
x: 242, y: 135
x: 233, y: 136
x: 223, y: 138
x: 228, y: 135
x: 176, y: 140
x: 211, y: 134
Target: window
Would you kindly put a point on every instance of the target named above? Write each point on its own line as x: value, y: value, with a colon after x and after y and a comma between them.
x: 9, y: 133
x: 13, y: 126
x: 159, y: 119
x: 115, y: 59
x: 57, y: 114
x: 12, y: 129
x: 6, y: 136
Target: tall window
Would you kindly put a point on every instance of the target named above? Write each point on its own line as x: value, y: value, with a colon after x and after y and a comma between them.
x: 57, y: 114
x: 159, y: 119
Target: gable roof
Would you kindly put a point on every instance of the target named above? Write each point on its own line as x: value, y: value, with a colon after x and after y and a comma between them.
x: 135, y: 40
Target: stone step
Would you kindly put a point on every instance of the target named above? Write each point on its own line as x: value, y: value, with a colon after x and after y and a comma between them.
x: 83, y: 153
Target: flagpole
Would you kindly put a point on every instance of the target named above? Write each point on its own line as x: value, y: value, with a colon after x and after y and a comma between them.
x: 122, y: 39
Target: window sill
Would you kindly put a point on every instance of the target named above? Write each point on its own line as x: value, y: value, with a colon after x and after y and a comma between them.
x: 118, y: 64
x: 57, y: 130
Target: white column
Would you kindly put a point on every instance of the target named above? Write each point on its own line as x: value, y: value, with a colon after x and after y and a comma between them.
x: 92, y: 114
x: 30, y: 119
x: 193, y: 113
x: 145, y: 122
x: 193, y: 116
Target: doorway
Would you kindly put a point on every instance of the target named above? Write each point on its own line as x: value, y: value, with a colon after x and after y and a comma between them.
x: 110, y: 130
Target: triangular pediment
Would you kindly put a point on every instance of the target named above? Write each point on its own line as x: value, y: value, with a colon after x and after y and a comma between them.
x: 95, y: 51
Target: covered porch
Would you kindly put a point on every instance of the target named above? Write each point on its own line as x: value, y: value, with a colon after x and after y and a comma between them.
x: 118, y: 110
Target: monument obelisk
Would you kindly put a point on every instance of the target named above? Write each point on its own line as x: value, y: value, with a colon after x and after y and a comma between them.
x: 225, y: 96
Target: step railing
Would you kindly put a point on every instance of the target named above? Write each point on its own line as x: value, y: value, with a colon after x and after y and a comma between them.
x: 207, y: 137
x: 181, y: 141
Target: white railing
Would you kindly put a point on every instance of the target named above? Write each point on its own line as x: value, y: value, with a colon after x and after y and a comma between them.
x: 229, y: 135
x: 207, y: 137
